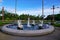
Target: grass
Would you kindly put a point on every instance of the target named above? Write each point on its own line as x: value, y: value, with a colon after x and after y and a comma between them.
x: 56, y: 25
x: 8, y: 22
x: 5, y: 22
x: 2, y: 23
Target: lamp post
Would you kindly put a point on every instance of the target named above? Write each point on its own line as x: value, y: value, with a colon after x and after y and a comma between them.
x: 53, y: 13
x: 53, y: 8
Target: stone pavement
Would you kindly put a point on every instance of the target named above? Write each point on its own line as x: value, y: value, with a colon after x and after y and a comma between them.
x: 53, y: 36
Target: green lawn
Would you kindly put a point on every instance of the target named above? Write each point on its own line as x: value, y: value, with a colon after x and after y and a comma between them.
x: 2, y: 23
x: 56, y: 25
x: 7, y: 22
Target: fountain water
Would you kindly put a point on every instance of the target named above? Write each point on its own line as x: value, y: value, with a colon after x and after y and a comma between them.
x: 28, y: 24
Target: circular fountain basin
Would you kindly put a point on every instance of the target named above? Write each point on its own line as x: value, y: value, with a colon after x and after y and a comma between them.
x: 27, y: 31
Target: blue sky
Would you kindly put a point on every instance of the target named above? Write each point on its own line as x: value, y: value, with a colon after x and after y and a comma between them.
x: 32, y: 7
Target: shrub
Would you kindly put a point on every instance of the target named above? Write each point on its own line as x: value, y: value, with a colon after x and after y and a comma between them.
x: 56, y: 25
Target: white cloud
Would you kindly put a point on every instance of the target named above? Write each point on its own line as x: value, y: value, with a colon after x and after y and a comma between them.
x: 0, y: 0
x: 38, y: 11
x: 11, y: 10
x: 31, y: 12
x: 50, y: 11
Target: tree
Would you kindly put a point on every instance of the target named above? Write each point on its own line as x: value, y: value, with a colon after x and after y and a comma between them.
x: 50, y: 17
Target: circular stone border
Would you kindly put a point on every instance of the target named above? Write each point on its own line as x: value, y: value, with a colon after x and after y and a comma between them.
x: 27, y: 32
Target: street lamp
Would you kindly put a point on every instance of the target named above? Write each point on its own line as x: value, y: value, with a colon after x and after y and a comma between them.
x: 53, y: 8
x: 53, y: 12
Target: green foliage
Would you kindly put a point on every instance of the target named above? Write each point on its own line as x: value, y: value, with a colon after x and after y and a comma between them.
x: 32, y: 17
x: 5, y: 22
x: 2, y: 23
x: 13, y: 16
x: 9, y: 16
x: 56, y: 17
x: 56, y: 25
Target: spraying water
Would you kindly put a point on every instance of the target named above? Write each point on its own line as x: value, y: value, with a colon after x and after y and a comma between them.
x: 28, y: 24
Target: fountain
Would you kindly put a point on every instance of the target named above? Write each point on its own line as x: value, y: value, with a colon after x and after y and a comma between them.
x: 28, y: 29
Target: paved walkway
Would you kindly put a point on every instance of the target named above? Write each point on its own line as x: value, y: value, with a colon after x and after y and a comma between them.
x: 53, y: 36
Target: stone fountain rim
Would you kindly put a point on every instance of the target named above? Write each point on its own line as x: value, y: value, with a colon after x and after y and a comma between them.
x: 27, y: 32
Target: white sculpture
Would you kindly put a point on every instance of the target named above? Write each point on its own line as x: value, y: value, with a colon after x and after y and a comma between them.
x: 28, y: 24
x: 19, y: 24
x: 41, y: 23
x: 33, y: 22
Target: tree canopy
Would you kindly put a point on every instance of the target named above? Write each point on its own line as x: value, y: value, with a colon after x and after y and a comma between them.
x: 56, y: 17
x: 13, y: 16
